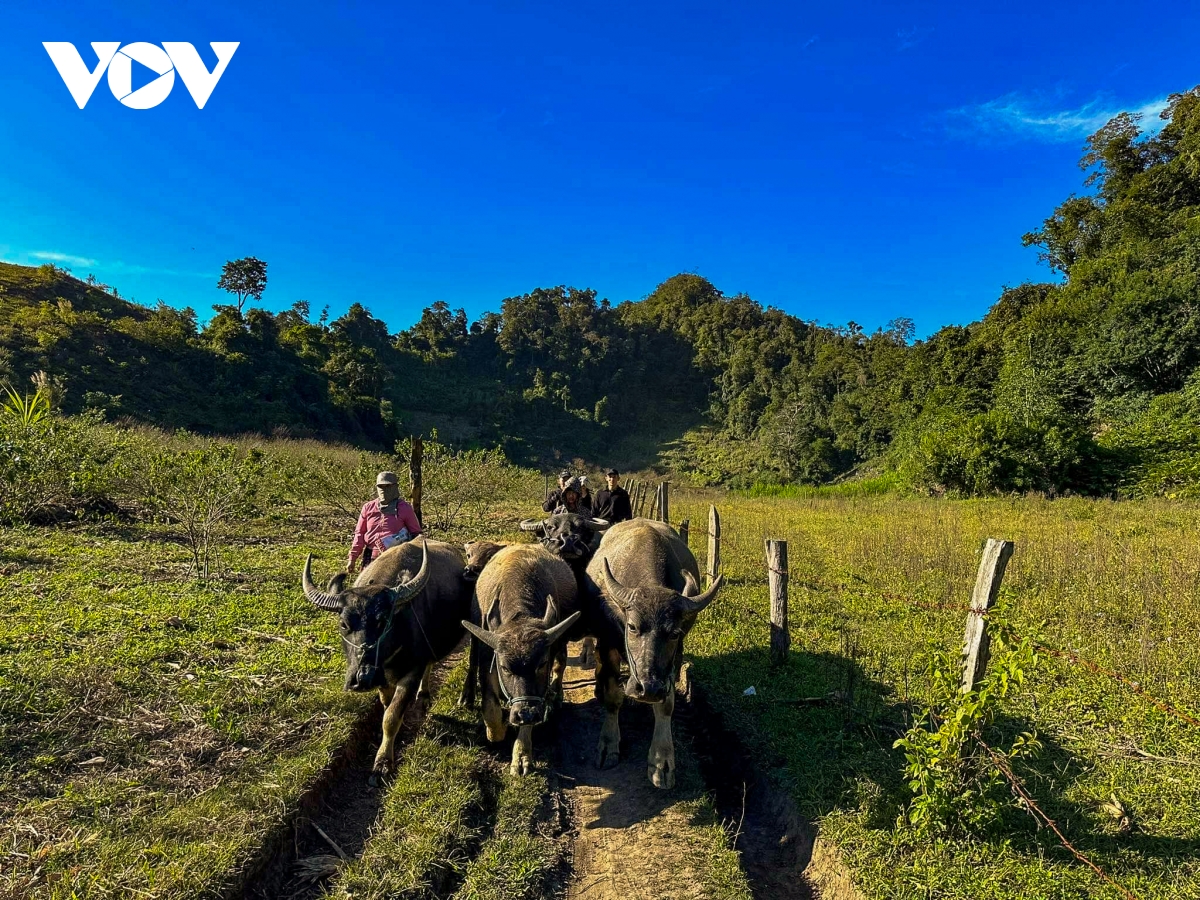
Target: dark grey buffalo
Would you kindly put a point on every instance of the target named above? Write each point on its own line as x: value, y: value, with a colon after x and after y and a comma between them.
x: 403, y: 613
x: 573, y: 538
x: 569, y: 536
x: 643, y: 597
x: 523, y: 608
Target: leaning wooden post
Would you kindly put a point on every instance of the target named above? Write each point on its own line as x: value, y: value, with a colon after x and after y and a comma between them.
x: 777, y: 578
x: 664, y: 502
x: 714, y: 545
x: 414, y: 475
x: 684, y: 527
x: 977, y: 641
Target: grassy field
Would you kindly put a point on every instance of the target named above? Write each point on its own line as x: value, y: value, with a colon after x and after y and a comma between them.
x: 1118, y: 583
x: 155, y: 729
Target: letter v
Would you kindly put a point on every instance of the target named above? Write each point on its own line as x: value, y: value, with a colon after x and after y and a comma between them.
x: 196, y: 78
x: 79, y: 81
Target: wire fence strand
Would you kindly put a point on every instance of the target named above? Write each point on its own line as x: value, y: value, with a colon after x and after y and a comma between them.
x: 1019, y: 789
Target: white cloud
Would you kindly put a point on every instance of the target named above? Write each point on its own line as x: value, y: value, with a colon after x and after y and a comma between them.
x: 907, y: 38
x: 54, y: 256
x: 116, y: 267
x: 1017, y: 116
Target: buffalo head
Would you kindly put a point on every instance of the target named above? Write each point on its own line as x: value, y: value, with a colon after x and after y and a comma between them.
x: 567, y: 535
x: 479, y: 554
x: 525, y: 650
x: 655, y: 619
x: 368, y: 619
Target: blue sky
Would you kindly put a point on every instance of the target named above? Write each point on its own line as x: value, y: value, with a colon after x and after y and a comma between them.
x: 840, y: 162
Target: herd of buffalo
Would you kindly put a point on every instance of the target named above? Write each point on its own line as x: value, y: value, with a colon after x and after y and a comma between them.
x: 630, y: 592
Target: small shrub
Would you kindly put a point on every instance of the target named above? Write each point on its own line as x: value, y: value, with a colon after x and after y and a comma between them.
x: 201, y: 491
x: 51, y: 466
x: 953, y: 782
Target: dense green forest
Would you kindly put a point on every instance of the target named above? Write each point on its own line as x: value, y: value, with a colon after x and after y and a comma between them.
x: 1086, y: 384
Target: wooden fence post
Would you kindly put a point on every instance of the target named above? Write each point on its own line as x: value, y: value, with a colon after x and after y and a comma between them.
x: 777, y: 578
x: 654, y: 507
x: 714, y: 545
x: 977, y: 641
x: 414, y: 475
x: 684, y: 528
x: 664, y: 504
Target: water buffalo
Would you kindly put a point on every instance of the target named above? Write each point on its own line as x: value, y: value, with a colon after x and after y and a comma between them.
x: 573, y: 538
x: 569, y: 536
x: 403, y: 613
x: 479, y: 554
x: 523, y: 608
x: 643, y: 597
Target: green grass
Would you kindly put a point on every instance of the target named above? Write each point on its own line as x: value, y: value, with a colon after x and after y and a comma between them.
x: 154, y: 730
x: 455, y: 821
x: 1116, y: 582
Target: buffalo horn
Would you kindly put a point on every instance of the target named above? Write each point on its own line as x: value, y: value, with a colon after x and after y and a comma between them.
x: 599, y: 524
x: 620, y: 594
x: 317, y: 597
x: 487, y: 637
x: 416, y: 584
x: 697, y: 603
x: 553, y: 634
x: 531, y: 524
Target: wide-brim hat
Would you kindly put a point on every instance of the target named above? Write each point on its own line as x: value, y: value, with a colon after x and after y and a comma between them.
x: 386, y: 478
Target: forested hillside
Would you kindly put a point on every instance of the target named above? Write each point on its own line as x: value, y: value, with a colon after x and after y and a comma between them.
x: 1087, y: 384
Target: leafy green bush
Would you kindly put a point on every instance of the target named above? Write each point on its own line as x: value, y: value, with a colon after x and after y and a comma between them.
x: 1161, y: 446
x: 953, y: 782
x: 54, y: 467
x: 995, y: 452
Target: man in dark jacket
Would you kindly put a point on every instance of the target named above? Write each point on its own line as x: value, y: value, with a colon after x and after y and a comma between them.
x: 612, y: 502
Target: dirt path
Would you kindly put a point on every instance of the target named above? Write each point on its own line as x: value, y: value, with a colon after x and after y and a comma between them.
x: 634, y: 841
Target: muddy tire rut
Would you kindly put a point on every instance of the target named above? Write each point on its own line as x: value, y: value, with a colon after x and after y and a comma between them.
x: 342, y: 803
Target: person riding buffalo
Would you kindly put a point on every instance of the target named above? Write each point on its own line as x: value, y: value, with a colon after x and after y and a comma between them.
x: 612, y: 502
x: 384, y: 522
x: 572, y: 496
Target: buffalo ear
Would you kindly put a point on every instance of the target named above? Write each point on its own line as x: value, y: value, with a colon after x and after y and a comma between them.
x: 492, y: 616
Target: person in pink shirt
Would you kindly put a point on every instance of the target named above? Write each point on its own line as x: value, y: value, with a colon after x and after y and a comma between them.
x: 383, y: 523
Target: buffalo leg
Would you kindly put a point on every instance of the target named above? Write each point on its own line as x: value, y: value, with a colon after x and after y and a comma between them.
x: 610, y: 693
x: 557, y: 669
x: 423, y: 690
x: 660, y: 764
x: 587, y: 653
x: 522, y: 754
x: 392, y: 716
x: 467, y: 697
x: 493, y: 713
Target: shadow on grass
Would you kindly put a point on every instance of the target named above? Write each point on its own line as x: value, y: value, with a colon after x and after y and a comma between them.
x: 820, y: 726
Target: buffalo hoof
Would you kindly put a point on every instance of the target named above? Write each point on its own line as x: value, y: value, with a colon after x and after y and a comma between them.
x: 520, y: 767
x: 608, y: 754
x: 587, y: 655
x: 661, y: 777
x: 380, y: 770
